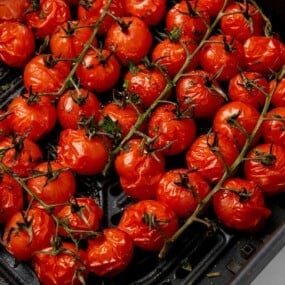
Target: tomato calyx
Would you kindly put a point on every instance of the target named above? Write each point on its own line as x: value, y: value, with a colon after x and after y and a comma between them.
x: 243, y: 193
x: 232, y: 121
x: 190, y: 10
x: 266, y: 159
x: 87, y: 4
x: 35, y: 6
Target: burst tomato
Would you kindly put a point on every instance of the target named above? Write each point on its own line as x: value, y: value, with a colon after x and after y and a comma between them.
x: 149, y: 223
x: 110, y: 253
x: 240, y: 205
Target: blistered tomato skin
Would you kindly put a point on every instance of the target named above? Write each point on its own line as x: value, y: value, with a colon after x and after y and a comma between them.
x: 240, y: 205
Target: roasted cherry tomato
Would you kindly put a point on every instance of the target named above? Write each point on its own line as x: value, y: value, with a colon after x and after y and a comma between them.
x: 84, y: 154
x: 236, y: 120
x: 198, y: 92
x: 17, y: 43
x: 265, y: 165
x: 11, y: 197
x: 182, y: 190
x: 139, y: 169
x: 210, y: 154
x: 52, y: 183
x: 149, y: 223
x: 278, y: 89
x: 211, y: 7
x: 172, y: 130
x: 13, y: 10
x: 60, y: 266
x: 31, y: 115
x: 109, y: 253
x: 76, y: 106
x: 240, y: 205
x: 130, y: 39
x: 27, y: 232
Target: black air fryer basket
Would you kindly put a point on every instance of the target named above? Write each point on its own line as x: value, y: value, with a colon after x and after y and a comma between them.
x: 201, y: 256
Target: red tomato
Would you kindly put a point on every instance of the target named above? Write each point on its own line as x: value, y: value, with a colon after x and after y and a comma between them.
x: 265, y: 165
x: 145, y: 82
x: 80, y: 218
x: 20, y: 155
x: 44, y: 74
x: 192, y: 24
x: 17, y: 44
x: 199, y: 93
x: 211, y: 7
x: 27, y: 232
x: 151, y: 12
x: 242, y: 20
x: 13, y: 10
x: 223, y: 56
x: 11, y: 197
x: 236, y: 120
x: 69, y: 39
x: 130, y: 39
x: 171, y: 55
x: 63, y: 266
x: 99, y: 70
x: 52, y: 183
x: 278, y: 89
x: 263, y: 54
x: 182, y: 190
x: 110, y: 253
x: 32, y: 115
x: 5, y: 127
x: 90, y: 12
x: 174, y: 131
x: 45, y: 17
x: 273, y: 127
x: 240, y: 205
x: 149, y: 223
x: 139, y: 169
x: 86, y: 155
x: 210, y: 154
x: 249, y: 87
x: 76, y: 106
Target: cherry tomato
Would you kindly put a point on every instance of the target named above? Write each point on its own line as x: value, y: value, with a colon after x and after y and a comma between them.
x: 13, y: 10
x: 236, y: 120
x: 69, y: 39
x: 273, y: 127
x: 109, y: 253
x: 89, y: 11
x: 149, y: 223
x: 151, y: 12
x: 11, y: 197
x: 263, y: 54
x: 27, y: 232
x: 130, y: 39
x: 52, y: 183
x: 17, y: 44
x: 278, y: 89
x: 32, y: 115
x: 5, y: 127
x: 147, y: 82
x: 46, y: 16
x: 265, y: 165
x: 60, y: 266
x: 211, y: 154
x: 75, y: 106
x: 182, y: 190
x: 20, y: 155
x: 183, y: 16
x: 199, y: 93
x: 240, y: 205
x: 84, y: 154
x: 99, y: 70
x: 79, y: 218
x: 242, y: 20
x: 249, y: 87
x: 139, y: 169
x: 211, y: 7
x: 223, y: 56
x: 44, y: 74
x: 173, y: 130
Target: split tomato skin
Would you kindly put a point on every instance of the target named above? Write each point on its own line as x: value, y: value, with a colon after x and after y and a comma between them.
x: 139, y: 170
x: 136, y: 221
x: 240, y: 205
x: 109, y: 253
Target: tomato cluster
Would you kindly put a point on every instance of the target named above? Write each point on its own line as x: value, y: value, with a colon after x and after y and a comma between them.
x: 133, y: 87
